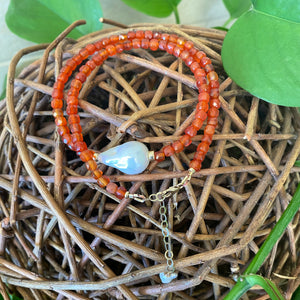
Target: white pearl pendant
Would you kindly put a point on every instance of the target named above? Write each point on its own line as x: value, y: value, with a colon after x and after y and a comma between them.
x: 167, y: 277
x: 130, y: 158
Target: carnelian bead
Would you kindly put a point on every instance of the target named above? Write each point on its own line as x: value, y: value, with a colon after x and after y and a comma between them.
x: 204, y: 88
x: 120, y: 193
x: 91, y: 165
x: 97, y: 59
x: 197, y: 123
x: 70, y: 62
x: 122, y: 37
x: 213, y: 121
x: 194, y: 66
x: 162, y: 45
x: 84, y: 53
x: 191, y: 131
x: 72, y: 109
x: 78, y: 59
x: 168, y: 150
x: 66, y: 70
x: 91, y: 48
x: 119, y: 47
x: 214, y: 93
x: 165, y: 37
x: 148, y: 34
x: 203, y: 146
x: 97, y: 173
x: 199, y: 73
x: 60, y: 121
x: 203, y: 96
x: 101, y: 44
x: 153, y: 45
x: 213, y: 113
x: 157, y: 35
x: 103, y: 181
x: 77, y: 137
x: 212, y: 76
x: 73, y: 119
x: 76, y: 84
x: 184, y: 55
x: 62, y: 130
x: 209, y: 130
x: 136, y: 43
x: 173, y: 38
x: 56, y: 103
x: 201, y: 114
x: 127, y: 45
x: 215, y: 102
x: 57, y: 113
x: 140, y: 34
x: 204, y: 61
x: 111, y: 50
x: 67, y: 139
x: 214, y: 84
x: 73, y: 92
x: 111, y: 187
x: 199, y: 156
x: 131, y: 35
x: 72, y: 100
x: 86, y: 70
x: 177, y: 51
x: 188, y: 45
x: 189, y: 61
x: 63, y: 77
x: 178, y: 146
x: 185, y: 140
x: 193, y: 52
x: 75, y: 127
x: 81, y: 77
x: 86, y: 155
x: 209, y: 68
x: 91, y: 64
x: 79, y: 147
x: 196, y: 165
x: 199, y: 55
x: 58, y: 85
x: 200, y: 81
x: 207, y: 138
x: 159, y: 156
x: 145, y: 43
x: 202, y: 106
x: 170, y: 47
x: 113, y: 39
x: 180, y: 41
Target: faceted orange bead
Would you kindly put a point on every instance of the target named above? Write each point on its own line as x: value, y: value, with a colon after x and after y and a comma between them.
x: 204, y: 88
x: 66, y: 70
x: 75, y: 127
x: 209, y: 130
x: 201, y: 114
x: 81, y: 77
x: 185, y: 140
x: 127, y: 45
x: 214, y: 93
x: 162, y: 45
x: 200, y: 156
x: 157, y: 35
x: 145, y: 43
x: 140, y: 34
x: 73, y: 92
x: 212, y: 76
x: 91, y: 165
x: 213, y: 112
x: 207, y: 138
x: 188, y: 45
x: 97, y: 173
x: 191, y: 131
x: 203, y: 96
x: 77, y: 137
x: 202, y: 105
x: 78, y: 59
x: 72, y: 100
x: 57, y: 113
x: 119, y: 47
x: 199, y: 55
x: 113, y: 39
x: 120, y: 193
x: 56, y: 103
x: 165, y: 37
x: 173, y: 38
x: 199, y: 73
x: 76, y: 84
x: 91, y: 65
x: 60, y: 121
x: 159, y: 156
x: 214, y: 84
x: 84, y: 53
x: 131, y: 35
x: 180, y: 41
x: 67, y: 139
x: 204, y: 61
x: 63, y: 77
x: 170, y: 47
x: 86, y: 155
x: 62, y: 130
x: 196, y: 165
x: 102, y: 43
x: 72, y: 109
x: 177, y: 51
x: 59, y: 85
x: 197, y: 123
x: 189, y: 61
x: 184, y: 55
x: 153, y: 45
x: 79, y: 147
x: 111, y: 50
x: 168, y: 150
x: 86, y: 70
x: 91, y: 48
x: 97, y: 59
x: 70, y: 62
x: 178, y: 146
x: 148, y: 34
x: 103, y: 181
x: 194, y: 66
x: 203, y: 147
x: 215, y: 102
x: 192, y: 51
x: 136, y: 43
x: 200, y: 81
x: 73, y: 119
x: 213, y: 121
x: 111, y: 187
x: 209, y: 68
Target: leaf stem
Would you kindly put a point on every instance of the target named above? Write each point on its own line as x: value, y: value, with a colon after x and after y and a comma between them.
x: 177, y: 18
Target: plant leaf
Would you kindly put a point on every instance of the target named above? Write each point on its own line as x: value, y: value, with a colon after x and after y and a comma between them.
x: 41, y: 21
x: 155, y: 8
x: 260, y: 52
x: 236, y: 7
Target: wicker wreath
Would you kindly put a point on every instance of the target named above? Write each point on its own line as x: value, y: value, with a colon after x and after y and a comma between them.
x: 64, y: 236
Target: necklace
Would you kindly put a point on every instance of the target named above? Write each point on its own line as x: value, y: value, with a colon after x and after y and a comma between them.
x: 133, y: 157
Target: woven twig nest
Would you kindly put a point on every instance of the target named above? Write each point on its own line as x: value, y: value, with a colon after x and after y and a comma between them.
x: 64, y: 236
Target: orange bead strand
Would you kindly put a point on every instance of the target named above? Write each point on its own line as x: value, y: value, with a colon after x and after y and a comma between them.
x: 199, y: 64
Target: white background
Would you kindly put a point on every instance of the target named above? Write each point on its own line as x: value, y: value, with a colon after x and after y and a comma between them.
x: 206, y: 13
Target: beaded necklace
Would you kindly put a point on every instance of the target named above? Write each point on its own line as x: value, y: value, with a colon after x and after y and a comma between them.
x: 206, y: 109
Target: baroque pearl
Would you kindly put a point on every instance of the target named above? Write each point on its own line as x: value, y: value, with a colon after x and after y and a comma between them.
x: 130, y: 158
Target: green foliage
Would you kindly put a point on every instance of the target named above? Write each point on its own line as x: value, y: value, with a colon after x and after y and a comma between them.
x: 155, y: 8
x: 3, y: 94
x: 41, y: 21
x: 236, y: 8
x: 296, y: 294
x: 261, y: 54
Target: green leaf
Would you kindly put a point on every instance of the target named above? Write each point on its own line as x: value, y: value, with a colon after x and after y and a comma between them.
x: 3, y: 94
x: 236, y: 7
x: 154, y: 8
x: 261, y: 51
x: 41, y: 21
x: 296, y: 294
